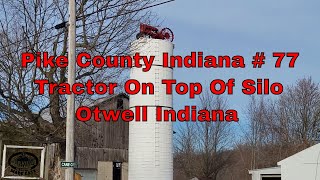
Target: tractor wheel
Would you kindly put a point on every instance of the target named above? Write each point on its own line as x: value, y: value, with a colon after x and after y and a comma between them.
x: 167, y: 34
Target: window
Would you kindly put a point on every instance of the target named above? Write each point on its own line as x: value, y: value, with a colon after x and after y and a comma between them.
x: 271, y: 178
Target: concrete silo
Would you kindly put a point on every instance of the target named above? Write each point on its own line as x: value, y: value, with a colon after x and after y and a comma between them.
x: 150, y: 143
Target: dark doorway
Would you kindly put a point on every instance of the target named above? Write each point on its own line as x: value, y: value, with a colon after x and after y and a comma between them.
x: 120, y: 104
x: 271, y: 178
x: 117, y: 170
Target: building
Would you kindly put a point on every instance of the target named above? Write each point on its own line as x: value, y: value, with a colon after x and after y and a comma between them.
x: 273, y: 173
x: 101, y: 148
x: 303, y: 165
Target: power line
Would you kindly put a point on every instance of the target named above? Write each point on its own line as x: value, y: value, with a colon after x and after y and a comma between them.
x: 103, y: 8
x: 63, y: 24
x: 107, y: 7
x: 147, y: 7
x: 110, y: 17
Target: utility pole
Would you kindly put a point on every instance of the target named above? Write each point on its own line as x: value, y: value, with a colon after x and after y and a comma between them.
x: 71, y: 80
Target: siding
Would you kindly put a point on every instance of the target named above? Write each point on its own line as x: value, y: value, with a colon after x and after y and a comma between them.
x: 102, y: 141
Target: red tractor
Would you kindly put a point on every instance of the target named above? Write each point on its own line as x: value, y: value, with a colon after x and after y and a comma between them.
x: 155, y: 33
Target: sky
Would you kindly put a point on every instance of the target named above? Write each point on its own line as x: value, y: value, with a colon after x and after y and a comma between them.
x: 244, y: 27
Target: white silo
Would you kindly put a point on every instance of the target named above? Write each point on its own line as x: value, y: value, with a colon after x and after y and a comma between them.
x: 150, y: 143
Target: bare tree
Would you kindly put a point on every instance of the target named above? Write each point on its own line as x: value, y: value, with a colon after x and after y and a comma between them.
x: 103, y: 27
x: 257, y: 134
x: 281, y: 127
x: 202, y: 147
x: 185, y: 148
x: 299, y: 113
x: 214, y: 139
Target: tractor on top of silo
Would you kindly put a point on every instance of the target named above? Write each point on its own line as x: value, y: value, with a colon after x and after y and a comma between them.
x: 155, y: 33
